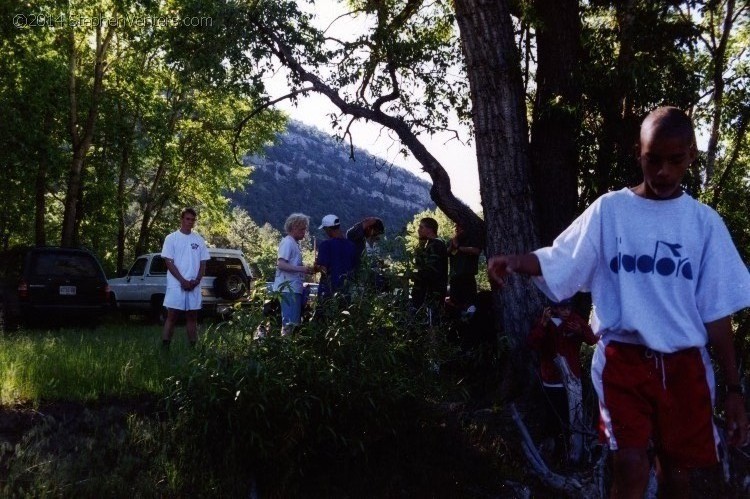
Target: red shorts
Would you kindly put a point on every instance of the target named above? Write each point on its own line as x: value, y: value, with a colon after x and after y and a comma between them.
x: 668, y: 398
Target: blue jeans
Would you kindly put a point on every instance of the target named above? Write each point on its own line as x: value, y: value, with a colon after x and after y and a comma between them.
x: 291, y: 308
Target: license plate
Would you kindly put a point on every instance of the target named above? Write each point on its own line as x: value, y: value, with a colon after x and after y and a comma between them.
x: 67, y: 290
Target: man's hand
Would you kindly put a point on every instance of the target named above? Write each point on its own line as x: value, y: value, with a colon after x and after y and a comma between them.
x: 498, y: 267
x: 720, y: 338
x: 453, y: 246
x: 736, y: 419
x: 546, y: 315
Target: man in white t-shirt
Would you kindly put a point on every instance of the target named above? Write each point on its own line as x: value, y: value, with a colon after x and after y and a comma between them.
x: 665, y: 279
x: 185, y: 254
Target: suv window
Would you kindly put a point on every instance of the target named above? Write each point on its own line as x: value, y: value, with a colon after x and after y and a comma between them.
x: 138, y: 267
x: 219, y: 265
x: 53, y: 264
x: 158, y: 266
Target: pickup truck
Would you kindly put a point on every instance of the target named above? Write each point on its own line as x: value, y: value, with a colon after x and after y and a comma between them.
x: 228, y: 277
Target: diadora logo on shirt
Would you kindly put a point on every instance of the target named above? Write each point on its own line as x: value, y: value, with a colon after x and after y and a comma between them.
x: 194, y: 245
x: 666, y: 260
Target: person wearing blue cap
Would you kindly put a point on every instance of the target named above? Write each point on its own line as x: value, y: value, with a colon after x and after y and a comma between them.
x: 336, y: 259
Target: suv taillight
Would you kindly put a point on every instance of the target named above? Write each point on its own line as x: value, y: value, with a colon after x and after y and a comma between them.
x: 23, y: 289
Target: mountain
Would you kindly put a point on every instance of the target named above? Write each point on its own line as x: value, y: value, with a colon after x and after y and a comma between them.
x: 308, y: 171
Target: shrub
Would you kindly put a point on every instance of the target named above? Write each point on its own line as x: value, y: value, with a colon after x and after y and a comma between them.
x: 280, y: 407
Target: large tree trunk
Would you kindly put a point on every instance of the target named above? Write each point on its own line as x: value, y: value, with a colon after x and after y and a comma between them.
x: 40, y: 187
x: 619, y: 127
x: 500, y: 127
x: 733, y: 156
x: 155, y: 197
x: 81, y: 137
x: 121, y: 206
x: 556, y: 119
x: 719, y: 54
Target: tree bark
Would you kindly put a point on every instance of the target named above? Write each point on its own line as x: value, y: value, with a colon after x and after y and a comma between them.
x: 556, y: 120
x: 719, y: 55
x: 440, y: 192
x: 154, y: 198
x: 121, y: 179
x: 742, y: 126
x: 82, y: 139
x: 619, y: 127
x: 40, y: 187
x: 493, y: 68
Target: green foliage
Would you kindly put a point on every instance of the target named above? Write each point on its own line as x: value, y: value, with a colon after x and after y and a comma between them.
x: 346, y: 408
x: 635, y: 58
x: 259, y: 244
x: 446, y: 227
x: 406, y: 56
x: 279, y: 408
x: 446, y: 231
x: 162, y: 138
x: 734, y: 200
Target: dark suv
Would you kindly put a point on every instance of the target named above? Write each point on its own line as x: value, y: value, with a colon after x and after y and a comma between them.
x: 55, y: 284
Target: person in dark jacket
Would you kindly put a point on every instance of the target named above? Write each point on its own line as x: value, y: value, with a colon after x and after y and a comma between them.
x: 430, y: 277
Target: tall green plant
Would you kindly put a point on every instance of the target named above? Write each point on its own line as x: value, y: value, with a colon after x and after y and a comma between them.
x: 278, y: 407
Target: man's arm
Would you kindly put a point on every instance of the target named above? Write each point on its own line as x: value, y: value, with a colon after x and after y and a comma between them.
x: 322, y: 260
x: 720, y: 338
x: 499, y: 266
x: 184, y: 283
x: 201, y: 272
x: 466, y: 250
x: 356, y: 232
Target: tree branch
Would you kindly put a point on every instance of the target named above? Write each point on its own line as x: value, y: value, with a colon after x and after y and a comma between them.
x: 255, y: 112
x: 394, y: 94
x: 440, y: 192
x: 741, y: 132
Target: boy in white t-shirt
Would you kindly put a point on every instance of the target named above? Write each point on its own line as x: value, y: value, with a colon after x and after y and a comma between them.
x: 665, y: 279
x: 185, y: 254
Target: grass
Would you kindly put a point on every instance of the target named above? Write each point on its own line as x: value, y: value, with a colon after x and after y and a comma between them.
x: 119, y: 359
x: 346, y: 411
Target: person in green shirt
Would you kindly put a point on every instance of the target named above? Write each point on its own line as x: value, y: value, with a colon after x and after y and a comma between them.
x: 463, y: 255
x: 430, y: 277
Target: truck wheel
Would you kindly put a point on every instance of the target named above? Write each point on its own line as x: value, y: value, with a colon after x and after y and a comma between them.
x: 230, y: 286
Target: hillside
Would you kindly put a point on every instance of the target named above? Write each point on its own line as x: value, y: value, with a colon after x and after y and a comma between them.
x: 309, y: 172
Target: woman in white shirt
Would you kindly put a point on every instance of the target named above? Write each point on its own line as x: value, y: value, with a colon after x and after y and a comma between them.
x: 290, y: 271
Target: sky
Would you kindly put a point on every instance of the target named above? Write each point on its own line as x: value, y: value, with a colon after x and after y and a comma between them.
x: 458, y: 159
